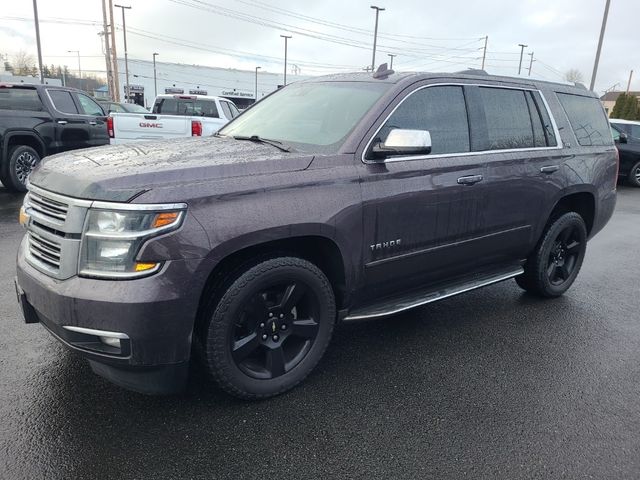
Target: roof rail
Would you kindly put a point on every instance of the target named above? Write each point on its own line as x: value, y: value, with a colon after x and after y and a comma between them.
x: 383, y: 71
x: 473, y: 71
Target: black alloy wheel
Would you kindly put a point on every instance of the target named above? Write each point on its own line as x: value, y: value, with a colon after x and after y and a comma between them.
x: 22, y: 160
x: 554, y: 264
x: 269, y: 327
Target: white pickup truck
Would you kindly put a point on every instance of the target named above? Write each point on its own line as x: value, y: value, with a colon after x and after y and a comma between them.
x: 173, y: 116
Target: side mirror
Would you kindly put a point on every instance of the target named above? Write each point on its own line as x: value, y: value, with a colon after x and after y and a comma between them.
x: 403, y: 142
x: 623, y: 138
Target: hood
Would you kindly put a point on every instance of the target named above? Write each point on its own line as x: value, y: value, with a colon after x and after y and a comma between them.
x: 121, y: 172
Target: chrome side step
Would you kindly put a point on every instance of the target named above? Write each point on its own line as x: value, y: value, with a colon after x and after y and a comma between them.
x: 413, y: 299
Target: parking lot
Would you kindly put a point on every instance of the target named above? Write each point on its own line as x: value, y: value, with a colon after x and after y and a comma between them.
x: 491, y: 384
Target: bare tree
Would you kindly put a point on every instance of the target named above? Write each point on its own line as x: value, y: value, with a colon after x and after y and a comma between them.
x: 24, y: 63
x: 574, y: 75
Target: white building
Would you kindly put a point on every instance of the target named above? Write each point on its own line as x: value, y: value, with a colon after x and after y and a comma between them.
x: 175, y: 78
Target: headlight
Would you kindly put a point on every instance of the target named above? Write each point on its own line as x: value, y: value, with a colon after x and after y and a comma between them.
x: 112, y: 239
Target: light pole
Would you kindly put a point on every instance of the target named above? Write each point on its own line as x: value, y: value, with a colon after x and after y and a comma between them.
x: 522, y: 47
x: 375, y: 37
x: 286, y: 37
x: 155, y: 82
x: 257, y: 68
x: 35, y: 18
x: 126, y: 59
x: 77, y: 52
x: 595, y: 64
x: 391, y: 55
x: 530, y: 62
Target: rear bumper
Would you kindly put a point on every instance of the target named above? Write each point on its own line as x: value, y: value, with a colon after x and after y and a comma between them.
x: 152, y: 316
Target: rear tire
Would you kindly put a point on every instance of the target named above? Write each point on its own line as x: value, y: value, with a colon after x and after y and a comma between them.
x: 20, y: 162
x: 270, y: 328
x: 634, y: 175
x: 554, y: 265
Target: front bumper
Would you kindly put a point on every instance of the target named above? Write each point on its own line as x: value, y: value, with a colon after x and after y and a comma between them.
x: 155, y: 316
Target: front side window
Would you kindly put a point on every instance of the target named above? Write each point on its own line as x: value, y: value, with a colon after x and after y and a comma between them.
x: 310, y: 116
x: 226, y: 110
x: 634, y: 131
x: 587, y: 118
x: 615, y: 134
x: 63, y: 101
x: 441, y: 111
x: 508, y: 119
x: 89, y: 106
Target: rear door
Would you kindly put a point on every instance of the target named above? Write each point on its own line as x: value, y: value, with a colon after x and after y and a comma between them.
x: 96, y: 118
x: 72, y: 128
x: 419, y: 216
x: 524, y: 167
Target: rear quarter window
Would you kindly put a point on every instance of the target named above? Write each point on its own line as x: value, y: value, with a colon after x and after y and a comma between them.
x: 587, y: 118
x: 20, y: 99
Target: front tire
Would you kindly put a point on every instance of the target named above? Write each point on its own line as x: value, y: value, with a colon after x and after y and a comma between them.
x: 20, y: 163
x: 554, y: 265
x: 270, y: 328
x: 634, y: 175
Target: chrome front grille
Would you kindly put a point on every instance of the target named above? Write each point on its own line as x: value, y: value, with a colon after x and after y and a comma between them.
x: 49, y: 208
x: 46, y: 252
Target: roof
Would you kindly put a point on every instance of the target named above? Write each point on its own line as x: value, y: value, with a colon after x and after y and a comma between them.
x: 613, y: 96
x: 625, y: 122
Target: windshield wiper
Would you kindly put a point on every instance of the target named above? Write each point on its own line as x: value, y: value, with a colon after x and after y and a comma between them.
x: 255, y: 138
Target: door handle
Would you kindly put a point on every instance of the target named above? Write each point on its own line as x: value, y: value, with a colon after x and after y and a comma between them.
x: 549, y: 169
x: 470, y: 179
x: 62, y: 122
x: 93, y: 122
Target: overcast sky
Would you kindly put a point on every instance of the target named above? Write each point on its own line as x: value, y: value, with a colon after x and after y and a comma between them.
x: 333, y: 35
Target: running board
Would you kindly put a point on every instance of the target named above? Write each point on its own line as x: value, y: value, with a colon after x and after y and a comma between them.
x: 416, y: 298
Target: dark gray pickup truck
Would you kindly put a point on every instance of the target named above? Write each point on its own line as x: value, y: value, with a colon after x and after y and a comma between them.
x: 335, y: 199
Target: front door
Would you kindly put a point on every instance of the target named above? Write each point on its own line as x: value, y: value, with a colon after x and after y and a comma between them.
x: 96, y: 118
x: 421, y: 213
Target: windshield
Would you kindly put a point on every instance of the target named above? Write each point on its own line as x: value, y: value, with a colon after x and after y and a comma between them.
x: 134, y: 108
x: 311, y: 117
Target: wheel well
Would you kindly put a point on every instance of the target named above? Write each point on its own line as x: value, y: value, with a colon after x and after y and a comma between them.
x: 28, y: 140
x: 321, y: 251
x: 582, y: 203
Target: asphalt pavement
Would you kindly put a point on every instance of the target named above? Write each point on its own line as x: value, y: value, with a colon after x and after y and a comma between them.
x: 490, y: 384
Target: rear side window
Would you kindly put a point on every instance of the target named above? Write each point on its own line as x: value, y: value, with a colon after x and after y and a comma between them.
x: 441, y: 110
x: 62, y: 101
x: 587, y: 119
x: 20, y: 99
x: 508, y: 119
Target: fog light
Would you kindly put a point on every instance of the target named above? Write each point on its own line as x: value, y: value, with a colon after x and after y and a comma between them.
x: 112, y: 342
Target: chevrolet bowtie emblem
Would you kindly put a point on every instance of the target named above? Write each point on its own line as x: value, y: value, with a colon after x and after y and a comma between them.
x: 273, y: 326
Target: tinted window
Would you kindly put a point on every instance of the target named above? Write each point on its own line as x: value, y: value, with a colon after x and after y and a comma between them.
x: 441, y: 110
x: 62, y: 101
x: 133, y: 108
x: 587, y: 119
x: 634, y: 130
x: 226, y: 110
x: 89, y: 106
x: 19, y: 99
x: 616, y: 134
x: 186, y: 106
x: 508, y: 120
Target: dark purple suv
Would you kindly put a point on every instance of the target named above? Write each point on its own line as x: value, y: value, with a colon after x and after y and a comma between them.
x: 334, y: 199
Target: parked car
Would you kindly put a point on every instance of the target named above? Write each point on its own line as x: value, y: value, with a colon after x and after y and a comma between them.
x: 626, y: 134
x: 337, y: 198
x: 173, y: 116
x: 40, y: 120
x: 115, y: 107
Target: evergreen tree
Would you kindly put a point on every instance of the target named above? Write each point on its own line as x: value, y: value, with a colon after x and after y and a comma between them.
x: 619, y: 106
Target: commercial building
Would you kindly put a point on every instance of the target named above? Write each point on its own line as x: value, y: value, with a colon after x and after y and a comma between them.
x: 175, y: 78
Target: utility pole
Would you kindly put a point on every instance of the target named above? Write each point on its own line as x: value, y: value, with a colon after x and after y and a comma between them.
x: 257, y: 68
x: 114, y: 55
x: 522, y: 47
x: 286, y: 37
x: 35, y: 18
x: 391, y: 55
x: 530, y: 62
x: 77, y: 52
x: 484, y: 51
x: 629, y: 82
x: 375, y: 37
x: 155, y: 81
x: 604, y: 26
x: 127, y: 95
x: 107, y: 54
